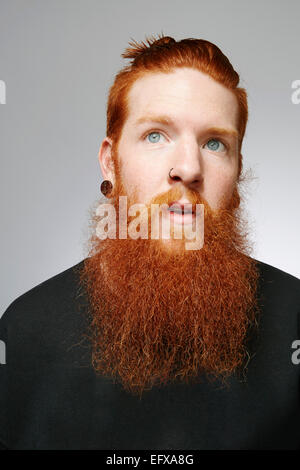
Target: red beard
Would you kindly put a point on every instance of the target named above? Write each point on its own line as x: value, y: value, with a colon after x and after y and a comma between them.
x: 161, y: 315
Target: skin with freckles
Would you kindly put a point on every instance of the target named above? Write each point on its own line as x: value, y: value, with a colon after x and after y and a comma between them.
x: 160, y: 313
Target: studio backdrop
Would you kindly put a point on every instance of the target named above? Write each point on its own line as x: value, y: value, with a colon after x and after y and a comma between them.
x: 58, y: 59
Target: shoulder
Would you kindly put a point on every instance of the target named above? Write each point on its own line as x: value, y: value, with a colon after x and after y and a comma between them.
x: 272, y: 272
x: 279, y: 296
x: 47, y: 313
x: 49, y: 292
x: 272, y: 278
x: 42, y: 344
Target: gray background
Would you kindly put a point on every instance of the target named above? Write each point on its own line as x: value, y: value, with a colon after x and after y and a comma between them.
x: 58, y: 59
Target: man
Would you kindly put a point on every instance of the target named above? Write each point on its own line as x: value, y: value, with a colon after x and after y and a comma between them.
x: 146, y: 344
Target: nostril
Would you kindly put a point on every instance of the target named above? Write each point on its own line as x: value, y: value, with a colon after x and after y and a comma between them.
x: 174, y: 178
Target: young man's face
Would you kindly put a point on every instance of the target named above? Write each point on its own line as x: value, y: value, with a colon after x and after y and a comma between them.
x: 202, y: 158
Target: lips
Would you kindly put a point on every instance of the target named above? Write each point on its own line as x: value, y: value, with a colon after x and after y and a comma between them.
x: 178, y: 207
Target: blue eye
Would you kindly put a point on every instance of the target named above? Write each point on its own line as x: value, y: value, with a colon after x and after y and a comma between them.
x: 216, y: 145
x: 154, y: 137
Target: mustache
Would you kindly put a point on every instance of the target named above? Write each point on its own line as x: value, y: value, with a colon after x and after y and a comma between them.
x: 176, y: 193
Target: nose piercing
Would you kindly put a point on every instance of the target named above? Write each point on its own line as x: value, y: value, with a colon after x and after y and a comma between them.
x: 170, y: 176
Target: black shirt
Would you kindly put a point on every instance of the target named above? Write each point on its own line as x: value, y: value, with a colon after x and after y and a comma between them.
x: 51, y: 398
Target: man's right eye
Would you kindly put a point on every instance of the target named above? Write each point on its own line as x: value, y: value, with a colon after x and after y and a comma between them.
x: 154, y: 137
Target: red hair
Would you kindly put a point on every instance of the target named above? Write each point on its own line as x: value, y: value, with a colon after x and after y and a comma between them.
x: 164, y: 55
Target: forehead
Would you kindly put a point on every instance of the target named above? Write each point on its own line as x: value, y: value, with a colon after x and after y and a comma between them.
x: 188, y: 96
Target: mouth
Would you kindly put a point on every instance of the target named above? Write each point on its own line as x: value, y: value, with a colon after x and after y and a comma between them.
x: 181, y: 212
x: 178, y: 207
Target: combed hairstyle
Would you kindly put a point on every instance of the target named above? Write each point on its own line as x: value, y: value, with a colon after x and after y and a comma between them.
x: 163, y: 55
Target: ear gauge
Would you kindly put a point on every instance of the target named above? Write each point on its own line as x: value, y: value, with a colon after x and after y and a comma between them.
x: 106, y: 187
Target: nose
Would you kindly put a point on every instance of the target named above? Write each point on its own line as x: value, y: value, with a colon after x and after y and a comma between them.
x: 187, y: 167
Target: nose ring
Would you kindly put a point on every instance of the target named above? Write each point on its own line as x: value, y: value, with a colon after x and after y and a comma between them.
x: 170, y: 176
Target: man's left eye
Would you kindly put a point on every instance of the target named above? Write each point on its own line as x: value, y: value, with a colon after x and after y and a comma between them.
x: 154, y: 137
x: 216, y: 145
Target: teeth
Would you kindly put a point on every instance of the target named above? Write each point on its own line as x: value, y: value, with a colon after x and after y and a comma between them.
x: 179, y: 211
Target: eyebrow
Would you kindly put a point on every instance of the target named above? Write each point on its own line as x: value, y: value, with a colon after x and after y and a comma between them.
x: 167, y: 121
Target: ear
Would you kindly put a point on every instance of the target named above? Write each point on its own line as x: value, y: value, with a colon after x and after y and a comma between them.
x: 106, y: 161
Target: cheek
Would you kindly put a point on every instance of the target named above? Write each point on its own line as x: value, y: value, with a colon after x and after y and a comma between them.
x: 226, y: 184
x: 135, y: 177
x: 220, y: 188
x: 143, y: 174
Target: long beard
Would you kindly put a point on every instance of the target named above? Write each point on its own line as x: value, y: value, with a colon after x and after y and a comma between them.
x: 160, y: 315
